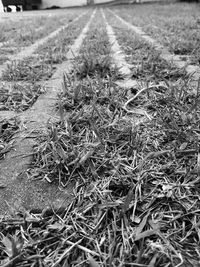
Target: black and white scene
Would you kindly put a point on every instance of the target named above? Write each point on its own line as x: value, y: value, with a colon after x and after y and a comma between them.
x: 100, y: 133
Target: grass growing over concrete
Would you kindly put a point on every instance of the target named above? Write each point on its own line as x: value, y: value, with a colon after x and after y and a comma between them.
x: 133, y: 158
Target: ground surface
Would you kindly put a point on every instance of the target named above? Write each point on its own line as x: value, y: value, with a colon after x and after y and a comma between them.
x: 99, y: 136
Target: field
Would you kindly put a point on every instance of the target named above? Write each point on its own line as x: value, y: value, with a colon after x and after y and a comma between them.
x: 100, y: 137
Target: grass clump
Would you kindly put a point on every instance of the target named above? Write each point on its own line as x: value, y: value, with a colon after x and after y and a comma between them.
x: 76, y: 139
x: 28, y: 70
x: 94, y: 66
x: 19, y: 97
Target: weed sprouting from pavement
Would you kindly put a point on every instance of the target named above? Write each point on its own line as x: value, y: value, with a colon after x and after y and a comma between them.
x: 91, y: 66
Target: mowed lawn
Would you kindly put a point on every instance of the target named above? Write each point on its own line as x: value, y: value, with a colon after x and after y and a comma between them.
x: 126, y: 158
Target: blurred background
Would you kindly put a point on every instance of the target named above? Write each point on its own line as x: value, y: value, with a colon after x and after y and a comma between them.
x: 20, y: 5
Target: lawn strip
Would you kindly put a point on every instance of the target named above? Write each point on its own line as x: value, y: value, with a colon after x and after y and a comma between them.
x: 95, y: 59
x: 164, y: 53
x: 21, y: 193
x: 30, y: 50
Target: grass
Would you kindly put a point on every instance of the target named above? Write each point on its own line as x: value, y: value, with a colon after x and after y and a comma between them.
x: 95, y: 57
x: 145, y: 62
x: 8, y: 129
x: 30, y: 70
x: 54, y: 52
x: 23, y: 33
x: 136, y: 194
x: 19, y: 97
x: 175, y: 26
x: 133, y: 159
